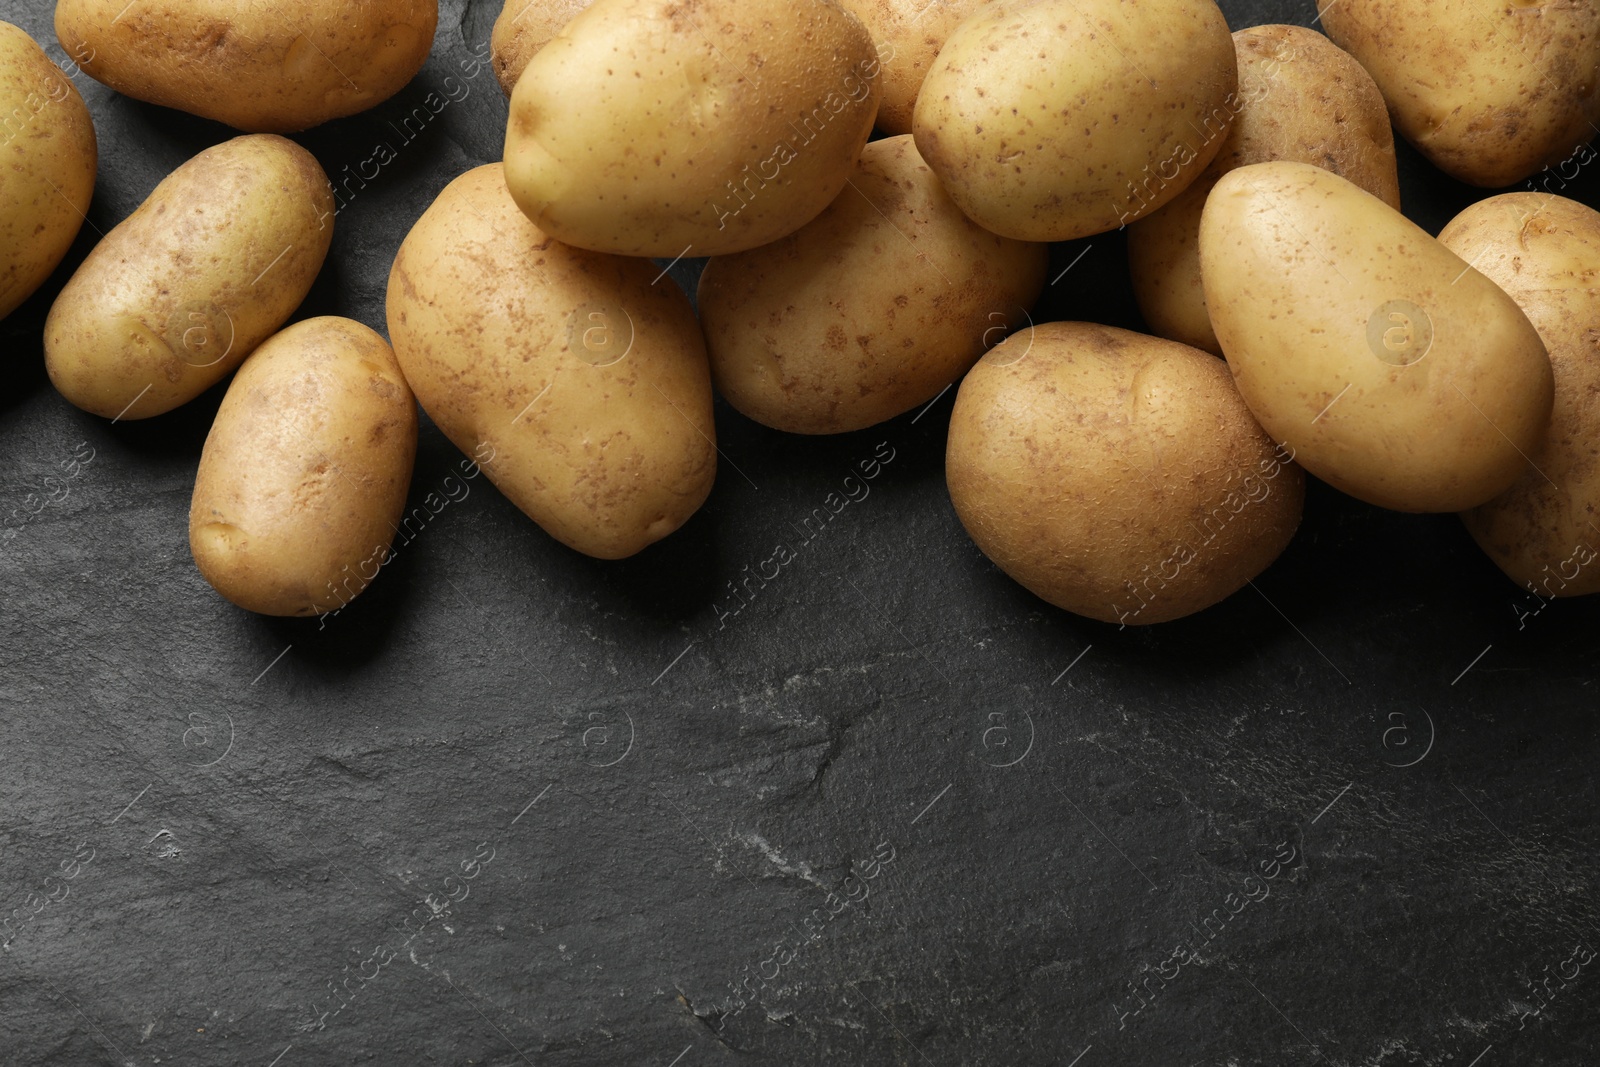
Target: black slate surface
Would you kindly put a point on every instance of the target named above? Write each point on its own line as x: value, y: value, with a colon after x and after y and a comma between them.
x: 899, y: 809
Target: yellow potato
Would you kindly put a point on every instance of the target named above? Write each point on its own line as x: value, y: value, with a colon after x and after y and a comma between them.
x: 658, y: 128
x: 187, y: 286
x: 1116, y: 475
x: 1395, y: 371
x: 305, y: 472
x: 584, y: 384
x: 1299, y: 98
x: 262, y: 67
x: 1544, y: 251
x: 47, y: 166
x: 524, y: 27
x: 909, y: 35
x: 1065, y: 118
x: 1489, y: 90
x: 868, y: 311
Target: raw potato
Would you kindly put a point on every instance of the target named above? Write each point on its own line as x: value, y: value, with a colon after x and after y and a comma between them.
x: 305, y: 472
x: 1544, y: 251
x: 262, y: 67
x: 870, y: 310
x: 1300, y: 98
x: 208, y: 267
x: 1395, y: 371
x: 47, y: 166
x: 1490, y: 91
x: 1066, y: 118
x: 524, y: 27
x: 1116, y: 475
x: 582, y: 387
x: 909, y: 35
x: 634, y: 132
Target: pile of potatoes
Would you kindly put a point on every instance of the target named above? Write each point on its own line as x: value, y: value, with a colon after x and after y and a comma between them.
x: 1131, y: 478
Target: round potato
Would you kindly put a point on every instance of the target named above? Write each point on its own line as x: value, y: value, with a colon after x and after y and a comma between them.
x: 1489, y: 92
x: 1300, y: 98
x: 264, y: 68
x: 656, y: 128
x: 1059, y: 119
x: 47, y: 166
x: 202, y: 272
x: 1544, y: 251
x: 582, y: 387
x: 524, y: 27
x: 1116, y: 475
x: 1395, y: 371
x: 305, y: 472
x: 868, y: 311
x: 909, y: 35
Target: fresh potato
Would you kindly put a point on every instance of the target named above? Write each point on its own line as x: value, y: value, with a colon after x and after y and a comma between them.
x: 658, y: 128
x: 305, y: 472
x: 584, y: 384
x: 1395, y: 371
x: 1116, y: 475
x: 1544, y: 251
x: 524, y: 27
x: 1490, y: 92
x: 909, y: 35
x: 868, y: 311
x: 261, y: 67
x: 187, y: 286
x: 47, y: 166
x: 1066, y: 118
x: 1300, y: 98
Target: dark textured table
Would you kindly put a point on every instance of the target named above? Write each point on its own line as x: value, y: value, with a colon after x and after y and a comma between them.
x: 515, y: 806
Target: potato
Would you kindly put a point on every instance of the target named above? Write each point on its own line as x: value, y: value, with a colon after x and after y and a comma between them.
x: 869, y: 310
x: 260, y: 67
x: 1116, y: 475
x: 909, y: 35
x: 1066, y: 118
x: 305, y: 472
x: 187, y: 286
x: 1395, y: 371
x: 1489, y: 92
x: 1299, y: 98
x: 657, y: 128
x: 524, y: 27
x: 47, y: 166
x: 1544, y: 251
x: 584, y: 386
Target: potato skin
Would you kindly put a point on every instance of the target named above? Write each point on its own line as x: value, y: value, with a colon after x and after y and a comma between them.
x: 1544, y: 251
x: 909, y: 35
x: 586, y: 386
x: 1116, y: 475
x: 260, y: 67
x: 1395, y: 371
x: 208, y: 267
x: 524, y: 27
x: 1489, y: 92
x: 1043, y: 129
x: 1300, y: 98
x: 48, y: 157
x: 632, y: 133
x: 305, y: 471
x: 869, y: 310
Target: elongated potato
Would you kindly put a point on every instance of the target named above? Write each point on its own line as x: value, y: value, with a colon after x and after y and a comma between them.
x: 1544, y: 251
x: 305, y: 472
x: 909, y: 35
x: 187, y: 286
x: 261, y: 67
x: 47, y: 166
x: 869, y: 310
x: 524, y: 27
x: 583, y: 384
